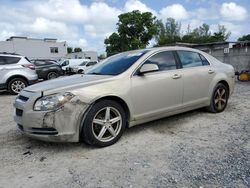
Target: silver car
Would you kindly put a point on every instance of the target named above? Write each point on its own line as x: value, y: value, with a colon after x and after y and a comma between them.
x: 16, y: 72
x: 124, y: 90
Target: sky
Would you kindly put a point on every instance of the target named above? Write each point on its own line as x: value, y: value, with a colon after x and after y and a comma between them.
x: 86, y: 23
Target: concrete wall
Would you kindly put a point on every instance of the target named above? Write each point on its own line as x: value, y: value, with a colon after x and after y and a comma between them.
x: 34, y: 48
x: 239, y: 58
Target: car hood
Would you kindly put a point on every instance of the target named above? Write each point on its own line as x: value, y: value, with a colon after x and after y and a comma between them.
x: 69, y: 82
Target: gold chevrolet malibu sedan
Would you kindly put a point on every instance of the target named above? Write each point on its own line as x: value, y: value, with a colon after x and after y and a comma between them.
x: 124, y: 90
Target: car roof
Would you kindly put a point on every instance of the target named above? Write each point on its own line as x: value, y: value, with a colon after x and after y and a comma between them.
x: 155, y: 49
x: 10, y: 54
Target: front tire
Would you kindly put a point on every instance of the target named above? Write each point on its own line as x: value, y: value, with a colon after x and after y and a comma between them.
x: 16, y: 85
x: 104, y: 123
x: 219, y: 98
x: 80, y: 71
x: 52, y: 75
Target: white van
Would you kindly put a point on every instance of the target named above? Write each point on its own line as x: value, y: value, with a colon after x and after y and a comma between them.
x: 66, y: 64
x: 83, y: 67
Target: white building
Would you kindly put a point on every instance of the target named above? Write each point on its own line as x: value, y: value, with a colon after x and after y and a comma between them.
x: 35, y: 48
x: 92, y: 55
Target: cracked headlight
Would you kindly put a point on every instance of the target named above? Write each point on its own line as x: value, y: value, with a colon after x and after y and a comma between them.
x: 52, y: 102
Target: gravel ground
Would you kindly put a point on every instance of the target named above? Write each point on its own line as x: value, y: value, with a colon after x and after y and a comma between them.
x: 194, y: 149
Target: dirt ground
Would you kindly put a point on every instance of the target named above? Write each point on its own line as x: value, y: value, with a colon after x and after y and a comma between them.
x: 194, y: 149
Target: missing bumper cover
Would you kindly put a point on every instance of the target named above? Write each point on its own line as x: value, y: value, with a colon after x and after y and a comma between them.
x: 39, y: 131
x: 44, y: 131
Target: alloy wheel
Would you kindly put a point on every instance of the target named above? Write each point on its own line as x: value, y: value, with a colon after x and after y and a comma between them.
x: 106, y: 124
x: 220, y: 98
x: 17, y: 86
x: 52, y: 75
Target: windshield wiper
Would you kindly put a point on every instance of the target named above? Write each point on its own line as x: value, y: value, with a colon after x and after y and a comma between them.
x: 95, y: 73
x: 98, y: 73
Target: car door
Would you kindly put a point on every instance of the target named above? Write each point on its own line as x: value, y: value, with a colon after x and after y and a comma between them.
x: 197, y: 76
x: 157, y: 92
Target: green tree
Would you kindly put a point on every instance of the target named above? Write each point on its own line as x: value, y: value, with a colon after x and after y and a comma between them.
x: 203, y: 34
x: 102, y: 56
x: 200, y: 34
x: 221, y: 35
x: 135, y: 30
x: 69, y: 50
x: 113, y: 44
x: 77, y: 49
x: 168, y: 34
x: 244, y: 38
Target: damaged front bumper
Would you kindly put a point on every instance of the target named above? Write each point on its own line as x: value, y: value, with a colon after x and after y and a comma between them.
x: 61, y: 125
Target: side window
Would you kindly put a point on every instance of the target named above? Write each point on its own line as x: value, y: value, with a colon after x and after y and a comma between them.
x: 65, y: 63
x: 204, y: 60
x: 39, y: 63
x: 189, y: 59
x: 2, y: 60
x: 164, y: 60
x: 91, y: 63
x: 49, y: 63
x: 11, y: 60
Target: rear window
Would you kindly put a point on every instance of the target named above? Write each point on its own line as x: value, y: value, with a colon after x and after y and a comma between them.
x: 5, y: 60
x: 43, y: 63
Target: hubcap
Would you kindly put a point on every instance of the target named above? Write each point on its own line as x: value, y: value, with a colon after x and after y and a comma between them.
x: 17, y: 86
x: 107, y: 124
x: 220, y: 98
x: 52, y: 75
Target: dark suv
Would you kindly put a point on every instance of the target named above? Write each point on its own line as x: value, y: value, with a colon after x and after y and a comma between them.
x: 47, y: 69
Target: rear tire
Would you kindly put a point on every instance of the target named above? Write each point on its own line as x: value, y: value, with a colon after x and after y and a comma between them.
x: 80, y: 72
x: 219, y: 99
x: 16, y: 85
x: 104, y: 124
x: 52, y: 75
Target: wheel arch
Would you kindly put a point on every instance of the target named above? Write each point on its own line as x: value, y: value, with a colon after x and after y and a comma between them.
x: 119, y: 101
x: 110, y: 97
x: 17, y: 76
x: 224, y: 82
x: 52, y: 70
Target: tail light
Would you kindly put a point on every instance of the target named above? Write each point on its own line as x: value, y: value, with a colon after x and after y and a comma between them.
x: 30, y: 66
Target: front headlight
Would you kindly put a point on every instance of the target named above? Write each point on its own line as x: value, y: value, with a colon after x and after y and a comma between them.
x: 52, y: 102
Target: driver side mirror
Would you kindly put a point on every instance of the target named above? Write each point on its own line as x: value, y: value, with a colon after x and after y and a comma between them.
x: 146, y: 68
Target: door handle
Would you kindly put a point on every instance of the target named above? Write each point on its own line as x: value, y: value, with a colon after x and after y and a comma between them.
x: 176, y: 76
x: 210, y: 71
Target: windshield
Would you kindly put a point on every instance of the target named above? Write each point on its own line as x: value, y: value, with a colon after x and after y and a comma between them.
x: 60, y: 62
x: 116, y: 64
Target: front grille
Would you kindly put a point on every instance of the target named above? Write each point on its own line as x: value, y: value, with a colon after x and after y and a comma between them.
x: 38, y: 131
x: 19, y: 112
x: 23, y: 98
x: 44, y: 131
